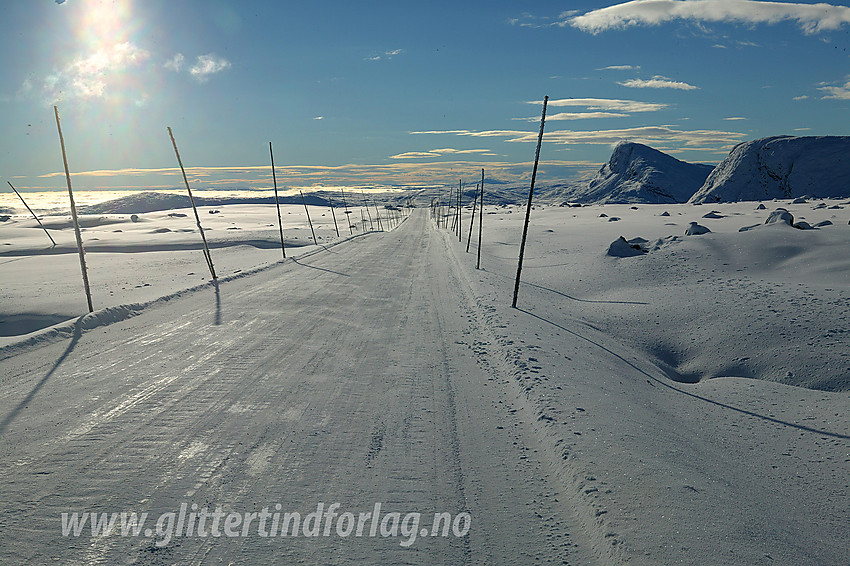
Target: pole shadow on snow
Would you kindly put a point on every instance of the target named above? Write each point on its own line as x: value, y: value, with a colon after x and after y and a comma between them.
x: 689, y: 394
x: 583, y: 300
x: 217, y: 303
x: 7, y: 420
x: 295, y: 260
x: 570, y: 297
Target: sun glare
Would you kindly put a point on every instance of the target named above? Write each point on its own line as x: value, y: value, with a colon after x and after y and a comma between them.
x: 103, y: 23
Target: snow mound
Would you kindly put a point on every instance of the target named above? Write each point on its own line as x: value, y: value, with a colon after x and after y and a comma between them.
x: 621, y: 248
x: 695, y: 229
x: 637, y: 173
x: 784, y: 167
x: 780, y: 215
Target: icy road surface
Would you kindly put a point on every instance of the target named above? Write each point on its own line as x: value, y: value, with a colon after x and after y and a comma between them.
x: 337, y: 379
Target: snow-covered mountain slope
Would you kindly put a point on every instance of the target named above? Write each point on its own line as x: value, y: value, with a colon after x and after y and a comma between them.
x: 637, y: 173
x: 781, y: 167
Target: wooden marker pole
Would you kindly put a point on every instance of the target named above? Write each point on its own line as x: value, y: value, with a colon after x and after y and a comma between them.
x: 368, y: 214
x: 277, y: 202
x: 378, y: 213
x: 530, y: 195
x: 480, y: 221
x: 33, y: 213
x: 459, y: 211
x: 331, y: 203
x: 74, y: 214
x: 347, y: 212
x: 472, y: 220
x: 315, y: 241
x: 195, y: 208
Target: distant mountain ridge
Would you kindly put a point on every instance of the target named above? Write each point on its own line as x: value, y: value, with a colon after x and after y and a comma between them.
x: 637, y: 173
x: 781, y: 167
x: 150, y: 201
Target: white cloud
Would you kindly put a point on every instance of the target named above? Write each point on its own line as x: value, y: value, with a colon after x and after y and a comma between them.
x: 605, y: 104
x: 812, y: 18
x: 318, y: 118
x: 207, y: 65
x: 620, y: 68
x: 175, y: 63
x: 92, y: 76
x: 440, y: 152
x: 840, y: 92
x: 528, y: 20
x: 658, y: 82
x: 579, y: 116
x: 734, y: 118
x: 801, y: 97
x: 645, y: 134
x: 385, y: 55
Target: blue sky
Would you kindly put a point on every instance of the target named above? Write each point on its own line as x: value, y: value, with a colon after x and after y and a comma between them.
x: 402, y: 93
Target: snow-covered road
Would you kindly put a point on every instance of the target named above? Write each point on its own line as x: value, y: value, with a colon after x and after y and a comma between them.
x: 385, y: 369
x: 359, y: 375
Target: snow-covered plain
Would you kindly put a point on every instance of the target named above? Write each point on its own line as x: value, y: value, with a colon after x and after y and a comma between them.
x: 137, y: 262
x: 687, y: 404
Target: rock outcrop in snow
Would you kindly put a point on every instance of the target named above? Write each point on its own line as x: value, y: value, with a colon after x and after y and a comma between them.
x: 637, y: 173
x: 781, y: 167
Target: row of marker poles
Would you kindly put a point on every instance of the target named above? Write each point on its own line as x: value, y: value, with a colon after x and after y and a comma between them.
x: 479, y: 196
x: 393, y: 216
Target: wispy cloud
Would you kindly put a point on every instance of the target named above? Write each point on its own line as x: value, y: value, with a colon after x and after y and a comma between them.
x: 620, y: 68
x: 578, y: 116
x: 581, y: 116
x: 735, y: 118
x: 658, y: 82
x: 207, y: 65
x: 431, y: 153
x: 175, y: 63
x: 812, y: 18
x: 317, y: 177
x: 94, y: 75
x: 605, y: 104
x: 385, y: 55
x: 645, y: 134
x: 528, y: 20
x: 841, y: 92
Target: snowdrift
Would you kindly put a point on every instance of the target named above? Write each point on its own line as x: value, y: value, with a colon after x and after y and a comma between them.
x: 781, y: 167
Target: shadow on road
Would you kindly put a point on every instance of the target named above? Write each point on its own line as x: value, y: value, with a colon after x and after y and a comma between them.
x: 295, y: 260
x: 7, y: 420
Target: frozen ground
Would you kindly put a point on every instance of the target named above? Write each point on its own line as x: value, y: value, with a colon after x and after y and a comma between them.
x: 686, y: 405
